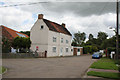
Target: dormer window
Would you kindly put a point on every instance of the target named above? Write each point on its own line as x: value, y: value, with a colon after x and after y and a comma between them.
x: 41, y: 27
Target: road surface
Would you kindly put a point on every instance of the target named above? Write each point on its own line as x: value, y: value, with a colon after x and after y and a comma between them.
x: 65, y: 67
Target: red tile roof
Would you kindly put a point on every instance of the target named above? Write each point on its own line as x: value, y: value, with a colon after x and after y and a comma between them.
x: 12, y: 33
x: 56, y: 27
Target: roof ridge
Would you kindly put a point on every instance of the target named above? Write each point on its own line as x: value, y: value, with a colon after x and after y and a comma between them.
x: 53, y: 22
x: 13, y: 31
x: 56, y: 27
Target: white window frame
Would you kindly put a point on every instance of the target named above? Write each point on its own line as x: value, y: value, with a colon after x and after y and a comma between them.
x: 53, y: 49
x: 61, y: 50
x: 78, y: 50
x: 66, y: 49
x: 54, y: 39
x: 61, y: 40
x: 67, y: 41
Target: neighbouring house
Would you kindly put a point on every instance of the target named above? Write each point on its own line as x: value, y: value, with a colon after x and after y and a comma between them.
x: 10, y: 34
x: 52, y: 37
x: 77, y: 50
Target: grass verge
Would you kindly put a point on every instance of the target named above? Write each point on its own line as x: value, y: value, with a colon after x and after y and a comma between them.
x: 104, y: 63
x: 104, y: 74
x: 2, y: 70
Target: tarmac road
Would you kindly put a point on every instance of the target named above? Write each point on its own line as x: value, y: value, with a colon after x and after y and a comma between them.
x: 65, y: 67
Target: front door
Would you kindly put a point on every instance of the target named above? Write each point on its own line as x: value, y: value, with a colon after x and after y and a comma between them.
x: 61, y: 52
x: 75, y: 52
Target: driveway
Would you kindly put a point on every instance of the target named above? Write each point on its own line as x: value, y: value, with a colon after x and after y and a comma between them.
x: 67, y: 67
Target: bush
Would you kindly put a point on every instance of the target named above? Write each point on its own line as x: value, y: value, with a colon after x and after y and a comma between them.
x: 110, y: 49
x: 89, y: 49
x: 6, y: 45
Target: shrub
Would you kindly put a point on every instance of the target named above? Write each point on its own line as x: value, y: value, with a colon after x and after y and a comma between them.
x: 89, y: 49
x: 110, y: 49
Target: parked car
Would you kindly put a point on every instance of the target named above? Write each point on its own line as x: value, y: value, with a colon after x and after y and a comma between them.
x: 97, y: 55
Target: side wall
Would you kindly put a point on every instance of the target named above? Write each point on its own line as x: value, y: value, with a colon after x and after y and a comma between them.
x: 60, y: 47
x: 39, y: 36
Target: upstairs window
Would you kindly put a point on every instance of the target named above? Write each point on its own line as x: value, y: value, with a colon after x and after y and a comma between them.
x: 66, y: 41
x: 54, y: 39
x: 61, y: 40
x: 41, y: 27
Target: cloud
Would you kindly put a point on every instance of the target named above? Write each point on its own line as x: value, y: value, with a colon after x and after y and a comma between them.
x: 15, y: 17
x: 88, y: 17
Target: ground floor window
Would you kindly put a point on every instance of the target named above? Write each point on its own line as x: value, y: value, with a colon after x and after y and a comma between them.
x: 78, y: 50
x: 54, y: 49
x: 61, y: 50
x: 66, y: 49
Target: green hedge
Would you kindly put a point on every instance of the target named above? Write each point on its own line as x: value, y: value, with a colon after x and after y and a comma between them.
x: 110, y: 49
x: 89, y: 49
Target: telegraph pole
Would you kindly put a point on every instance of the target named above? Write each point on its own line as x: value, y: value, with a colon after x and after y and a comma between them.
x: 117, y: 30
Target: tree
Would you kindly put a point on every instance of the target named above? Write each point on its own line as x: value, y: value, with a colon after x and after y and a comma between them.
x: 90, y: 37
x: 79, y: 37
x: 74, y: 43
x: 5, y: 45
x: 26, y: 32
x: 102, y: 36
x: 111, y: 42
x: 21, y: 42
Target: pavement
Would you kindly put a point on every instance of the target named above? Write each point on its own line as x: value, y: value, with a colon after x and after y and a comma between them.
x: 103, y: 70
x: 65, y: 67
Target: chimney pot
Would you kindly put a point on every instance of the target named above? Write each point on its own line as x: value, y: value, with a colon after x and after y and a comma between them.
x: 40, y: 16
x: 63, y: 24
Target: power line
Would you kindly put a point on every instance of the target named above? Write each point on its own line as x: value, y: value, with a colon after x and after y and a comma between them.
x: 14, y: 5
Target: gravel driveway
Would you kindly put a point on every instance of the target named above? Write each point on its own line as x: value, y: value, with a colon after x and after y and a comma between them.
x: 65, y: 67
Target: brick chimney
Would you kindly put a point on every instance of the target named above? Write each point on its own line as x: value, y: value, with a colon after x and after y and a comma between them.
x: 40, y: 16
x: 63, y: 24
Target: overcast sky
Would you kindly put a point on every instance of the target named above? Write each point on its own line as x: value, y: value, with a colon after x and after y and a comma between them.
x: 88, y: 17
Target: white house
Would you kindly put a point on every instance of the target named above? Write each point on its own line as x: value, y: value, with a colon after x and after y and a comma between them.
x: 52, y: 37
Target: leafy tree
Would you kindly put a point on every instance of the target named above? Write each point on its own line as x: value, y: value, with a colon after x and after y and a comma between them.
x: 90, y: 37
x: 89, y: 42
x: 5, y: 45
x: 102, y: 36
x: 26, y: 32
x: 74, y: 43
x: 79, y: 37
x: 111, y: 42
x: 21, y: 42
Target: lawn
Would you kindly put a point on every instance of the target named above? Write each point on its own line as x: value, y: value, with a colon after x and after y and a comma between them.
x: 104, y: 63
x: 104, y: 74
x: 2, y: 70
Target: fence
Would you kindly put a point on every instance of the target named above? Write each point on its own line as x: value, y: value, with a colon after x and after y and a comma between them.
x: 18, y: 55
x: 42, y: 54
x: 24, y: 55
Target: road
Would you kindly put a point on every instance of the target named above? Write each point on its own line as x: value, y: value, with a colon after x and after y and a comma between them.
x: 65, y: 67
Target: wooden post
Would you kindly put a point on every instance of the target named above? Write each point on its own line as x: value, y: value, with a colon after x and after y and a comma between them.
x: 117, y: 30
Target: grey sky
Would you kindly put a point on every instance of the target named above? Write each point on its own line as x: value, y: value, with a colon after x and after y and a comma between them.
x: 88, y: 17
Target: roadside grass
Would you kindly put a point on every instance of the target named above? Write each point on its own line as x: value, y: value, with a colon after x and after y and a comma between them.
x: 105, y: 63
x: 2, y: 70
x: 110, y: 75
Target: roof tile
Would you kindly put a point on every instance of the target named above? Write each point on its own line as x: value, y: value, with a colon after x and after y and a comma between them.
x: 56, y: 27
